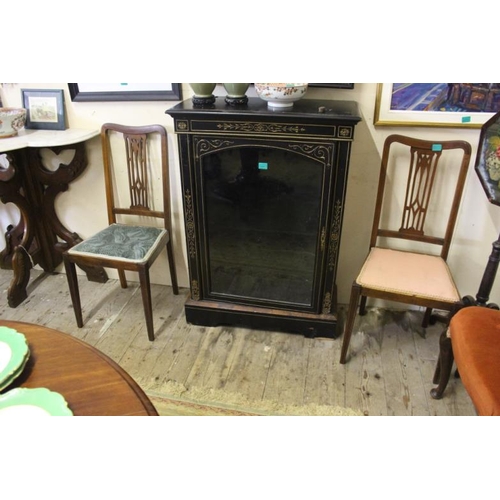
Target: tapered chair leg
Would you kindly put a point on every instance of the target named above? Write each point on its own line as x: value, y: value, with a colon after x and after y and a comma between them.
x: 427, y: 317
x: 73, y: 290
x: 443, y: 367
x: 351, y: 316
x: 123, y: 280
x: 146, y: 301
x: 171, y: 264
x: 362, y: 305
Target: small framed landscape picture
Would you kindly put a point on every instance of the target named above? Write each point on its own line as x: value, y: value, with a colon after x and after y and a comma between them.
x: 45, y: 109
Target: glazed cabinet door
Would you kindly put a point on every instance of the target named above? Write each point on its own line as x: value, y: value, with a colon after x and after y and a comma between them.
x: 261, y: 220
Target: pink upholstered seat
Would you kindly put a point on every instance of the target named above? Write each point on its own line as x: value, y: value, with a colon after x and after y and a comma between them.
x: 408, y: 273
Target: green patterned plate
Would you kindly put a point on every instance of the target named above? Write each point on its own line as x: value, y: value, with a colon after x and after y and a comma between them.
x: 16, y: 374
x: 14, y: 352
x: 24, y: 402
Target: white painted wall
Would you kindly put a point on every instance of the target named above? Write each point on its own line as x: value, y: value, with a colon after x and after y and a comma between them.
x: 82, y: 208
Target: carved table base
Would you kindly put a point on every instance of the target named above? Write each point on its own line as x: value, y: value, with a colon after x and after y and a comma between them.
x: 39, y: 237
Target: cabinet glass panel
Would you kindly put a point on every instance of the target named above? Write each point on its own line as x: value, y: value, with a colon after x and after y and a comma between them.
x: 262, y: 216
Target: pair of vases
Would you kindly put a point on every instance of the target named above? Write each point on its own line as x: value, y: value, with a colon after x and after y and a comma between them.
x: 203, y: 93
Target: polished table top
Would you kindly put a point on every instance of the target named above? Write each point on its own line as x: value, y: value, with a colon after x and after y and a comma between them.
x: 90, y: 382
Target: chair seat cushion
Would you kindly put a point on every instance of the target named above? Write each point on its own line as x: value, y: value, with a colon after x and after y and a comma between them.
x: 475, y: 339
x: 123, y: 242
x: 408, y: 273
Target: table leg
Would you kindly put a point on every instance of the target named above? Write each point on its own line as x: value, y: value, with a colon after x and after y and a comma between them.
x: 56, y: 182
x: 22, y: 248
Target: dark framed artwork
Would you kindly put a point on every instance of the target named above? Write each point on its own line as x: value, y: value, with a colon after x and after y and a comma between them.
x: 85, y: 92
x: 349, y: 86
x: 45, y: 109
x: 488, y: 159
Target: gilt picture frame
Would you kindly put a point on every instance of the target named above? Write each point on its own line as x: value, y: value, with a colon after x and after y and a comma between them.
x: 89, y: 92
x: 45, y: 109
x: 487, y: 164
x: 459, y: 105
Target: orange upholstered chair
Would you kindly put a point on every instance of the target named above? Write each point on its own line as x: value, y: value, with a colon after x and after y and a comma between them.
x: 473, y: 342
x: 427, y: 171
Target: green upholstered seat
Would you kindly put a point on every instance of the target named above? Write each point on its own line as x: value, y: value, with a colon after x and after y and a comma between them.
x: 120, y: 241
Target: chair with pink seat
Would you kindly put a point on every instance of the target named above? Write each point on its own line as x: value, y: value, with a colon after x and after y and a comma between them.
x: 419, y: 180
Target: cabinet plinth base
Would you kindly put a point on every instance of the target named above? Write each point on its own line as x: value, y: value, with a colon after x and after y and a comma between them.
x: 209, y: 313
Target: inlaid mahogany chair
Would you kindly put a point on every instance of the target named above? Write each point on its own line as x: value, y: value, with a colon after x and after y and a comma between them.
x: 420, y: 275
x: 136, y: 242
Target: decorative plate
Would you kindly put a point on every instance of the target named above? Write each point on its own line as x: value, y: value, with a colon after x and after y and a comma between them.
x: 16, y: 374
x: 24, y: 402
x: 14, y: 353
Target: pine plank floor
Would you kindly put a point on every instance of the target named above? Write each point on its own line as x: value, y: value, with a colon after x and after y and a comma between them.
x: 389, y: 371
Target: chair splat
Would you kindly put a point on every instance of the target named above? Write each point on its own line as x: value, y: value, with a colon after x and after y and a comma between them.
x: 421, y: 176
x: 137, y: 161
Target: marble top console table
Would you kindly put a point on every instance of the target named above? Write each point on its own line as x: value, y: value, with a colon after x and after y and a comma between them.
x: 39, y: 237
x: 45, y: 138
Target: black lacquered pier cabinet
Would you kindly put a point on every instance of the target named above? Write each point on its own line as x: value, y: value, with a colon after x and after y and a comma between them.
x: 263, y: 192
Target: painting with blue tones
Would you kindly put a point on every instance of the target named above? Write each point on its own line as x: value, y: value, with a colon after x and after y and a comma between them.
x: 455, y: 97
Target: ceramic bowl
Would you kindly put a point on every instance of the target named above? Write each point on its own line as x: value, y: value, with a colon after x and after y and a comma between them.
x: 280, y: 95
x: 11, y: 120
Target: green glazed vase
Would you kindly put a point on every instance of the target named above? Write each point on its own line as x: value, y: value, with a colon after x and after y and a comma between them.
x: 236, y: 93
x: 236, y: 89
x: 203, y: 89
x: 203, y: 94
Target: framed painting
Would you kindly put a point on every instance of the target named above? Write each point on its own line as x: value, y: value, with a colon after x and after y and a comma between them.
x: 488, y: 159
x: 466, y: 105
x: 45, y: 109
x: 333, y: 85
x: 84, y: 92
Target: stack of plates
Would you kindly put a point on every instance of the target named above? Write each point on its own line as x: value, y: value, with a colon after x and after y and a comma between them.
x: 14, y: 354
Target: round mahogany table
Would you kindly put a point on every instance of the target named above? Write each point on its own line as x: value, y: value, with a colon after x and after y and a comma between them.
x: 91, y: 382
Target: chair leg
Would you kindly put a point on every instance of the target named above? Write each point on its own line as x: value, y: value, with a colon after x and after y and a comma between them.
x: 73, y: 290
x: 351, y: 316
x: 123, y: 280
x: 427, y: 317
x: 443, y: 366
x: 146, y: 301
x: 171, y: 264
x: 362, y: 305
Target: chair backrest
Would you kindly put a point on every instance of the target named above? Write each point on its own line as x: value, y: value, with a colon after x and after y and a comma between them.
x: 425, y: 162
x: 136, y: 156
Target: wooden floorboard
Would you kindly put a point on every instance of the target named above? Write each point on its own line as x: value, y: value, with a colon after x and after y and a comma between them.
x: 389, y: 369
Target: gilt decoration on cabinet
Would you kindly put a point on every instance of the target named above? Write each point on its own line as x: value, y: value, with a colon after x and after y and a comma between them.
x: 190, y: 229
x: 272, y: 128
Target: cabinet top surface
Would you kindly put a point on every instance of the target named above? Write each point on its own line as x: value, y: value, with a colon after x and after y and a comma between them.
x: 317, y: 109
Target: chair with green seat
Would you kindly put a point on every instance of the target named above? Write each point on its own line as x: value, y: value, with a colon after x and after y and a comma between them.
x: 132, y: 244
